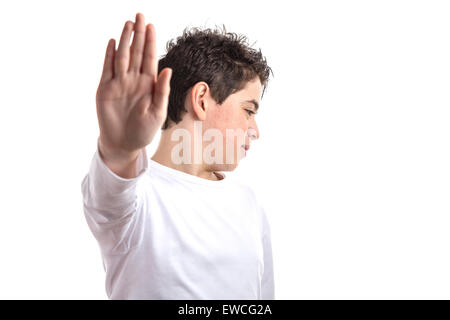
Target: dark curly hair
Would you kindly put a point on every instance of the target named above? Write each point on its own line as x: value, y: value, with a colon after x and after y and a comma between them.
x: 222, y: 59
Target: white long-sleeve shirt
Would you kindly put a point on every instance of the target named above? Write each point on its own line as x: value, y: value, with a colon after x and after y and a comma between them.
x: 167, y: 234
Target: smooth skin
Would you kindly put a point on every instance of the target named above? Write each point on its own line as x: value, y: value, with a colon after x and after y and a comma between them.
x: 131, y: 98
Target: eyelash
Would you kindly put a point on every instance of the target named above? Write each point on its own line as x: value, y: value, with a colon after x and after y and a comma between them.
x: 250, y: 112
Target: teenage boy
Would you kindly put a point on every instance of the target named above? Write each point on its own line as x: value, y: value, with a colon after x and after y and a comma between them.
x: 173, y: 226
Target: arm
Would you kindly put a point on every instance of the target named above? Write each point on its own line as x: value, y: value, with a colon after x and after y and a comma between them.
x: 108, y: 196
x: 111, y: 203
x: 131, y: 104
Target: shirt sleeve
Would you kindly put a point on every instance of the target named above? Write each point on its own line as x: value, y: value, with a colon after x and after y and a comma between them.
x: 267, y: 283
x: 110, y: 202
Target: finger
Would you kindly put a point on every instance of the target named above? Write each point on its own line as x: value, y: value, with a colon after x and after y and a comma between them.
x: 137, y: 47
x: 150, y: 63
x: 108, y: 65
x: 162, y: 91
x: 122, y: 58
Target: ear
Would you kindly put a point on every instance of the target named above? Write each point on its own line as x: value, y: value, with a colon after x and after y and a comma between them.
x: 198, y: 99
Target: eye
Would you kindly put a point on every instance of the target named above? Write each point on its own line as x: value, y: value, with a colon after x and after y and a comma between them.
x: 250, y: 112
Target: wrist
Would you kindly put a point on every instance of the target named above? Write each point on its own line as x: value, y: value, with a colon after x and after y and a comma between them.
x: 121, y: 162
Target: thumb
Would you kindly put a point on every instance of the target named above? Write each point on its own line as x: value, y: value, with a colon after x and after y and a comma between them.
x: 162, y: 91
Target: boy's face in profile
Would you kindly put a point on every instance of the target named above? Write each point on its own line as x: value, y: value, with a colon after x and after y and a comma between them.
x: 237, y: 116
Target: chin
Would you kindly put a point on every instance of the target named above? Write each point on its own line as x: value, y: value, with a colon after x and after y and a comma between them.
x: 225, y: 166
x: 230, y: 167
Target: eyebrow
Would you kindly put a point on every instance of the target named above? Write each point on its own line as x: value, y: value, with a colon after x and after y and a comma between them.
x: 255, y: 103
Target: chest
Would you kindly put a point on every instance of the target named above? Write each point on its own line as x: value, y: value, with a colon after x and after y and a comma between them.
x: 192, y: 230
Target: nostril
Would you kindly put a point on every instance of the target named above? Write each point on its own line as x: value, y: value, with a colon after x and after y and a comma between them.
x: 252, y: 134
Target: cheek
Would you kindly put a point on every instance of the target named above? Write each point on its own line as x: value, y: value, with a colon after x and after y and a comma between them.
x: 223, y: 119
x: 238, y: 124
x: 227, y: 119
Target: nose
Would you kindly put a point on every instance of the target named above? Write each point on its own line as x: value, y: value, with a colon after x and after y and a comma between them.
x: 253, y: 131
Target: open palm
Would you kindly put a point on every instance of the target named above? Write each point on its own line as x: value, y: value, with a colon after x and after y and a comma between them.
x: 131, y: 98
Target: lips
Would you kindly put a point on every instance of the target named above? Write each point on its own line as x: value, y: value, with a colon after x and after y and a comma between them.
x: 246, y: 147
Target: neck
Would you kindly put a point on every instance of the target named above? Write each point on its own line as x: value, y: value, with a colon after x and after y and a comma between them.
x: 163, y: 153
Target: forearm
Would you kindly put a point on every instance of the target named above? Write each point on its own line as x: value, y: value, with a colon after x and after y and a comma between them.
x: 107, y: 195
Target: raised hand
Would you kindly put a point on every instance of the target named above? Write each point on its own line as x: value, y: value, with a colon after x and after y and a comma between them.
x: 131, y: 98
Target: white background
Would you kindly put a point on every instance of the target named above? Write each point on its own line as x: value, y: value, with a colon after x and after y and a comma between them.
x: 352, y: 161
